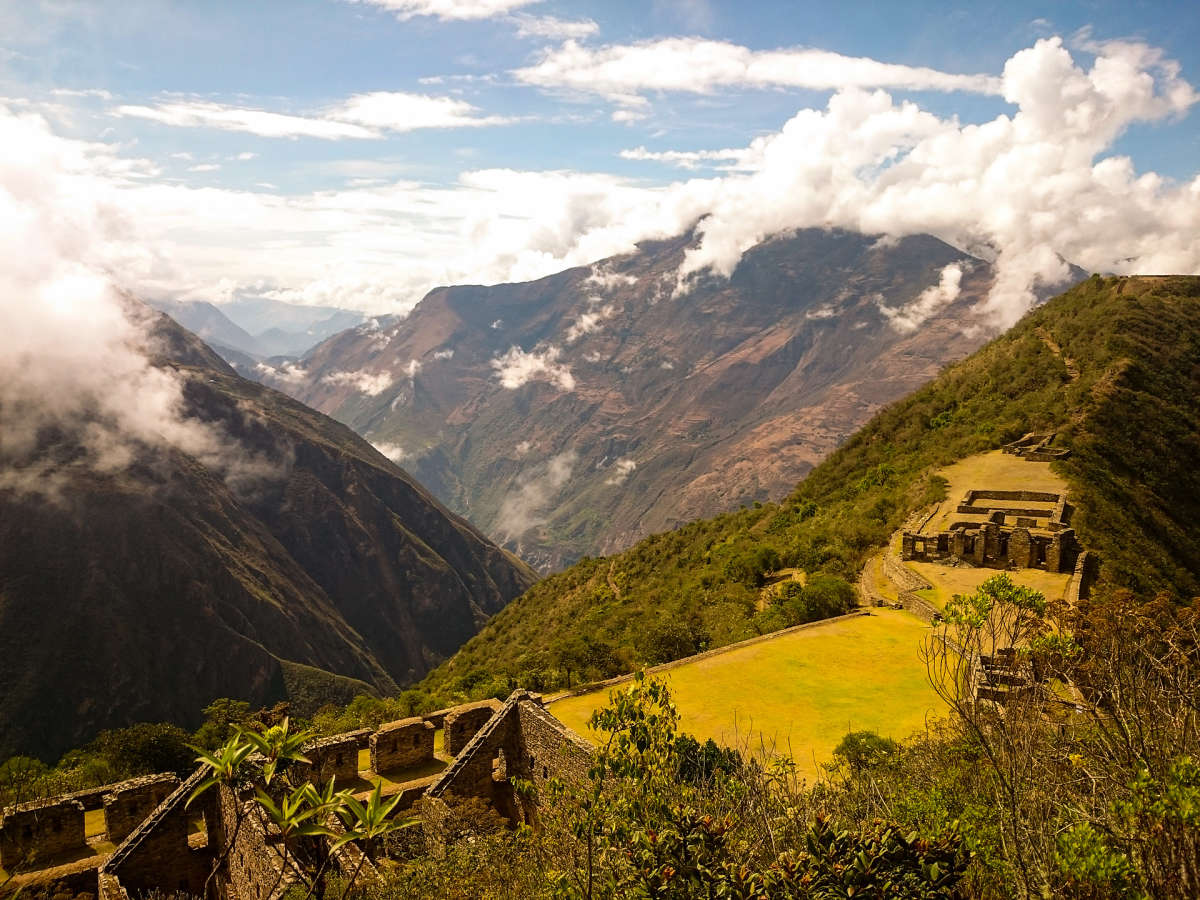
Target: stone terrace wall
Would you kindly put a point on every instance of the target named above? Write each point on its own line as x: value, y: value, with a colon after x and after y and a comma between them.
x: 128, y: 804
x: 463, y: 722
x: 408, y: 742
x: 41, y: 831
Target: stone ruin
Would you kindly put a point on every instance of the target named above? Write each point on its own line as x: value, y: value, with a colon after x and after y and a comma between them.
x: 1002, y: 529
x: 43, y: 830
x: 44, y: 833
x: 1036, y: 448
x: 167, y: 846
x: 402, y: 744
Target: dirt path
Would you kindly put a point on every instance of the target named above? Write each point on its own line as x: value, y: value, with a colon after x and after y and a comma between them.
x: 1056, y: 349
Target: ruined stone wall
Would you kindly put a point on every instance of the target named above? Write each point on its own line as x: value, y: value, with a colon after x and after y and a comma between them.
x: 253, y: 869
x: 157, y: 855
x: 41, y: 831
x: 128, y: 804
x: 334, y: 757
x: 547, y: 749
x: 462, y: 724
x: 408, y: 742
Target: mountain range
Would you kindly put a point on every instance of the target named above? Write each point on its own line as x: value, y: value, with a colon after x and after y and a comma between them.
x: 576, y: 414
x: 310, y: 568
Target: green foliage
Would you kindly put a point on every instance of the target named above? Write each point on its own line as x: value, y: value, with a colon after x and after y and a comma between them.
x: 862, y: 750
x: 1129, y: 409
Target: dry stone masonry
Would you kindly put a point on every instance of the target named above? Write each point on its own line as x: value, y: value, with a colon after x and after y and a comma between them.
x: 1003, y: 529
x: 169, y: 846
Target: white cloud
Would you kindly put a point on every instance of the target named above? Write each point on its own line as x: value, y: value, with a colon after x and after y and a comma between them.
x: 448, y: 10
x: 414, y: 366
x: 516, y: 368
x: 605, y: 279
x: 932, y: 300
x: 361, y: 116
x: 554, y: 28
x: 625, y: 72
x: 444, y: 354
x: 370, y: 383
x: 589, y: 321
x: 394, y: 452
x: 1027, y: 188
x: 622, y: 469
x: 522, y: 509
x: 205, y: 167
x: 398, y: 111
x: 288, y: 373
x: 204, y: 114
x: 245, y: 155
x: 691, y: 159
x: 73, y: 351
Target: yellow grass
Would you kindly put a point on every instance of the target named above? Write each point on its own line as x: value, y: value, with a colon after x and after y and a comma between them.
x: 950, y: 580
x: 801, y: 692
x: 991, y: 471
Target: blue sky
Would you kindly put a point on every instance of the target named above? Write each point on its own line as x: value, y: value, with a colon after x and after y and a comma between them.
x: 360, y: 152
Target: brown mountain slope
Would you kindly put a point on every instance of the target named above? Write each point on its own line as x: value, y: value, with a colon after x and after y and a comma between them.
x: 576, y: 414
x: 142, y: 594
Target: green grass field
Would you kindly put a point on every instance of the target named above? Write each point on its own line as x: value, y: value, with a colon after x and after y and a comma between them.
x: 801, y: 692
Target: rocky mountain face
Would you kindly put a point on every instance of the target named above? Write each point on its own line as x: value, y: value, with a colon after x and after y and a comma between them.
x: 300, y: 565
x: 573, y: 415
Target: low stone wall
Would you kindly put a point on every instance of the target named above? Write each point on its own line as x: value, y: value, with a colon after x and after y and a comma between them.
x: 41, y: 831
x: 408, y: 742
x: 128, y: 804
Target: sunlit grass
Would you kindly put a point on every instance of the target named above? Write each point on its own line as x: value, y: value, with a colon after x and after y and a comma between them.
x: 801, y: 692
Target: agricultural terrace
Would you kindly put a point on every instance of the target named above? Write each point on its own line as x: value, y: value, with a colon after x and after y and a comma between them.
x: 798, y: 694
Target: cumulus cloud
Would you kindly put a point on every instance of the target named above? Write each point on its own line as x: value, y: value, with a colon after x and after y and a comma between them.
x: 448, y: 10
x: 74, y: 352
x: 626, y: 72
x: 516, y: 368
x: 908, y: 318
x: 1027, y: 189
x: 523, y: 507
x: 370, y: 383
x: 621, y: 470
x: 444, y: 354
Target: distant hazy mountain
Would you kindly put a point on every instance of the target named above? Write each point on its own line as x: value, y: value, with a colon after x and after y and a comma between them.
x: 141, y: 593
x: 576, y: 414
x: 259, y: 328
x: 210, y: 324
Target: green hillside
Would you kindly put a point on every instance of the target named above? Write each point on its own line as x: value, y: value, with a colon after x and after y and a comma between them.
x: 1113, y: 365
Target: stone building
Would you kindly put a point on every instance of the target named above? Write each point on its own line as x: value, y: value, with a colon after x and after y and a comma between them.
x: 41, y: 831
x: 126, y: 805
x: 1002, y: 529
x: 1036, y: 448
x: 408, y: 742
x: 461, y: 724
x: 175, y: 847
x: 335, y: 757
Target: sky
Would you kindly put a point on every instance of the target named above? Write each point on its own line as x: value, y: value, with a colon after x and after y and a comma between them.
x: 358, y: 153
